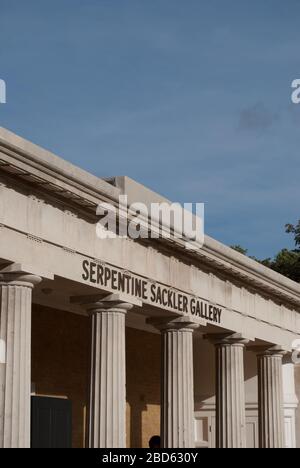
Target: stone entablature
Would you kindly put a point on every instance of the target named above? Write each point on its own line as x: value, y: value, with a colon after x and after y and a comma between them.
x: 49, y: 226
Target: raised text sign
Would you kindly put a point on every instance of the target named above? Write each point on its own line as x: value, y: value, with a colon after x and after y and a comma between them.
x: 149, y: 291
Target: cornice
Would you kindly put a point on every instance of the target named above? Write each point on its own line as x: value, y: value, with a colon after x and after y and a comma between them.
x: 251, y: 271
x: 55, y: 176
x: 39, y: 167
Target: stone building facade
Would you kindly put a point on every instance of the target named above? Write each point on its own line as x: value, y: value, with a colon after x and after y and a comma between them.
x: 199, y: 350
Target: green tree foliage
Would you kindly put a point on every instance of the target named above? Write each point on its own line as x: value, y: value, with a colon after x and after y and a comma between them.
x: 239, y: 249
x: 290, y: 228
x: 286, y: 262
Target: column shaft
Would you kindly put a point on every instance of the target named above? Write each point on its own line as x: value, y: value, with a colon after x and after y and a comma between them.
x: 230, y: 396
x: 270, y: 396
x: 15, y: 362
x: 177, y: 403
x: 107, y: 428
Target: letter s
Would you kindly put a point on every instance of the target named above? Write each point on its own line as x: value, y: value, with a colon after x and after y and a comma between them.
x: 296, y: 93
x: 85, y: 266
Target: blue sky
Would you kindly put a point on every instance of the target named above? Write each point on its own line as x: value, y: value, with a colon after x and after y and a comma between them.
x: 191, y: 98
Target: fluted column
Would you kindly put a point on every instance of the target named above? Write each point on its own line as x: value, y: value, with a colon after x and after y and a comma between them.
x: 107, y: 408
x: 15, y: 360
x: 177, y: 385
x: 230, y: 391
x: 270, y: 398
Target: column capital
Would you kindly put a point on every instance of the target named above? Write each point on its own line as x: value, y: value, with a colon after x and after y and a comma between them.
x: 219, y: 339
x: 98, y: 303
x: 167, y: 323
x: 23, y: 274
x: 14, y: 275
x: 267, y: 350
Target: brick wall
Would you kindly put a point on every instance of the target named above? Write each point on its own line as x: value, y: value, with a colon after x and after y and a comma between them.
x: 60, y: 357
x: 60, y: 367
x: 143, y: 387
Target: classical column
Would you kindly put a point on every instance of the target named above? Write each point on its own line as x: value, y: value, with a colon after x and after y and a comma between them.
x: 107, y: 409
x: 270, y: 398
x: 15, y: 359
x: 177, y: 386
x: 230, y: 391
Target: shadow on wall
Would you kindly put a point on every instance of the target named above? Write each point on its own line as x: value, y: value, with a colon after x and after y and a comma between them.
x: 205, y: 373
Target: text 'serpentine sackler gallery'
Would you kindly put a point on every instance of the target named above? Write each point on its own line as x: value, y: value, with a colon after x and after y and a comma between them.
x: 197, y: 349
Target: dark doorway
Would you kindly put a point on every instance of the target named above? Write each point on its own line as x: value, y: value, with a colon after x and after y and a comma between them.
x: 51, y: 422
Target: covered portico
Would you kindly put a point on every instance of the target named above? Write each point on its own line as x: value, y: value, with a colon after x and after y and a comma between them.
x: 213, y: 299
